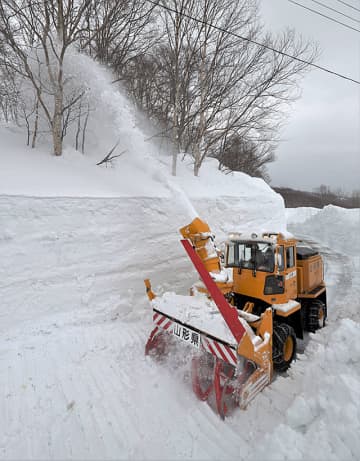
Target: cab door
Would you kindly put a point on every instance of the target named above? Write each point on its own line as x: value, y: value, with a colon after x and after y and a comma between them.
x: 290, y: 272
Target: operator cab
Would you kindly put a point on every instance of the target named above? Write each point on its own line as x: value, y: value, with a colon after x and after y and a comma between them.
x: 264, y: 267
x: 257, y: 254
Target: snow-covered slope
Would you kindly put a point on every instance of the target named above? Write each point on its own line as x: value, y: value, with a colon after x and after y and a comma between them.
x: 76, y: 242
x: 35, y: 173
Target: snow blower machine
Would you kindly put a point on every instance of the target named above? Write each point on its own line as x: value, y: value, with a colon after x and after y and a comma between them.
x: 243, y: 316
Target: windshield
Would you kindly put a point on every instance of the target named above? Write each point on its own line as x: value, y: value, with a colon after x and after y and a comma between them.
x: 251, y: 255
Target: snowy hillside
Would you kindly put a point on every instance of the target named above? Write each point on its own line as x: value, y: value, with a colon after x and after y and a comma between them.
x: 76, y: 242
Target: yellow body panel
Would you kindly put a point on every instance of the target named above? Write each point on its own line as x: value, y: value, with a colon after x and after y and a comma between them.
x: 245, y: 283
x: 310, y: 273
x: 261, y: 355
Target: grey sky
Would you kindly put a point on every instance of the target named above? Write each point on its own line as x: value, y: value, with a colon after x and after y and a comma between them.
x: 321, y: 140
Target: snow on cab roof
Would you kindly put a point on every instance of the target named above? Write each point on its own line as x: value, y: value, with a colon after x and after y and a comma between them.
x: 253, y: 237
x: 265, y: 237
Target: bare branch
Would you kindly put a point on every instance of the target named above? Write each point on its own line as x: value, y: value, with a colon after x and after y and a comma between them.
x: 109, y: 156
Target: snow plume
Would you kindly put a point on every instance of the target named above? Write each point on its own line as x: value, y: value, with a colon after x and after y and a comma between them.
x: 182, y: 199
x: 113, y: 118
x: 97, y: 106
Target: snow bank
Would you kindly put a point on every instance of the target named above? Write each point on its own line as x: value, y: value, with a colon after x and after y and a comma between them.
x: 300, y: 214
x: 323, y: 422
x: 234, y: 202
x: 339, y: 228
x: 229, y: 202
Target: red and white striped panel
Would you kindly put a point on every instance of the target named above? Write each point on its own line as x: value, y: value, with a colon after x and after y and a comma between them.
x: 221, y: 351
x: 161, y: 321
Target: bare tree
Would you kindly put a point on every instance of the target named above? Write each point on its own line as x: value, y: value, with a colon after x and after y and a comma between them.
x: 244, y: 87
x: 111, y: 156
x: 246, y: 156
x: 9, y: 92
x: 37, y: 35
x: 177, y: 54
x: 118, y: 31
x: 211, y: 84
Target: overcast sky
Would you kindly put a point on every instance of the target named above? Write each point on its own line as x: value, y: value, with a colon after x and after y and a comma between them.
x: 320, y: 143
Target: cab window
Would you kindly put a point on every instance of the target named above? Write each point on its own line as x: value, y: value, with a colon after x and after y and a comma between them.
x: 230, y: 255
x: 281, y: 258
x: 290, y: 257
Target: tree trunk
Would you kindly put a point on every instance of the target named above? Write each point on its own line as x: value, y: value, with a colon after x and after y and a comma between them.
x: 197, y: 168
x: 57, y: 121
x: 84, y: 132
x: 202, y: 82
x: 175, y: 135
x: 174, y: 160
x: 36, y: 124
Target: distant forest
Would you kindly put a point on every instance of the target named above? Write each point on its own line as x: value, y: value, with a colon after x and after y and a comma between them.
x: 318, y: 199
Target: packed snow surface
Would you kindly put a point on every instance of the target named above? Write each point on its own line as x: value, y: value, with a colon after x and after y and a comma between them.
x: 76, y: 242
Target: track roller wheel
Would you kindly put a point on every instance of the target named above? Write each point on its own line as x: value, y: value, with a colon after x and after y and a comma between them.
x: 316, y: 316
x: 284, y: 346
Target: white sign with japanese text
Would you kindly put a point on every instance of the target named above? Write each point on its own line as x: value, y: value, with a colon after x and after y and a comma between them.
x: 187, y: 335
x: 290, y: 275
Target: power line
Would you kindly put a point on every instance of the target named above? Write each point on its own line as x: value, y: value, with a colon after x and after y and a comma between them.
x: 323, y: 15
x: 336, y: 11
x: 282, y: 53
x: 348, y: 4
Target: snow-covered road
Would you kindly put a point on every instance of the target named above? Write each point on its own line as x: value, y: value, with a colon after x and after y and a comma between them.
x: 74, y: 321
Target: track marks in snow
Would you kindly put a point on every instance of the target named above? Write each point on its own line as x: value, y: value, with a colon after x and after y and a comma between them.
x: 68, y: 392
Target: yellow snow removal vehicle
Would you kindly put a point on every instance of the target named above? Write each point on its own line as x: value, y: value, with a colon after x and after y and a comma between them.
x: 244, y: 315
